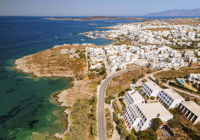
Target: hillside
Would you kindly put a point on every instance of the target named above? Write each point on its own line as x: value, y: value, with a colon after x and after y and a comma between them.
x: 184, y: 12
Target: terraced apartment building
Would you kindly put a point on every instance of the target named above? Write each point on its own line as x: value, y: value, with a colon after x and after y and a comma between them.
x: 139, y: 116
x: 169, y: 98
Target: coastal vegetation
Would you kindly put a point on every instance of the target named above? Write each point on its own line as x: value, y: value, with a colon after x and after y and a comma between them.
x: 80, y: 118
x: 62, y: 61
x: 81, y: 99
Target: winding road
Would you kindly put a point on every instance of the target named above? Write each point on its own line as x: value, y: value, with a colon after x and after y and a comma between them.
x: 101, y: 100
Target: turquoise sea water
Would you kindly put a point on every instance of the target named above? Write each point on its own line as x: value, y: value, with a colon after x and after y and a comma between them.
x: 27, y: 110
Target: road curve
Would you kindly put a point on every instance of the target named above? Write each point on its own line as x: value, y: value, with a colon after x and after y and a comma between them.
x: 101, y: 100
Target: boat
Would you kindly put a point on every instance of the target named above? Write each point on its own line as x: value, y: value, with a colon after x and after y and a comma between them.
x: 56, y: 36
x: 70, y: 33
x: 82, y: 39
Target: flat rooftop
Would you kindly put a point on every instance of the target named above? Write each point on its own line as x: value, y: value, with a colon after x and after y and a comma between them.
x: 151, y: 110
x: 153, y: 85
x: 135, y: 95
x: 173, y: 94
x: 193, y: 107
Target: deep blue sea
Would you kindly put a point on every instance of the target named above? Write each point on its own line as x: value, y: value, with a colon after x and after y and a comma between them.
x: 27, y: 110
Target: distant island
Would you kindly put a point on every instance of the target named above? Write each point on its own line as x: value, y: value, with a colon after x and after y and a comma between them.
x: 183, y: 12
x: 100, y: 18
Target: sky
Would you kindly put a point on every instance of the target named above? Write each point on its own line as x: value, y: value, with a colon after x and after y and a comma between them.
x: 91, y: 7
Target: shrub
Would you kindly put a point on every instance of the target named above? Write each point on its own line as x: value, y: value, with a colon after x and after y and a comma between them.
x: 157, y: 81
x: 115, y: 117
x: 121, y: 93
x: 144, y: 80
x: 174, y: 123
x: 91, y: 75
x: 118, y: 69
x: 128, y: 89
x: 152, y: 98
x: 97, y: 70
x: 149, y: 134
x: 131, y: 137
x: 122, y: 103
x: 135, y: 79
x: 191, y: 133
x: 141, y: 76
x: 108, y: 99
x: 156, y: 123
x: 133, y: 131
x: 176, y: 111
x: 122, y: 128
x: 93, y: 128
x: 99, y: 82
x: 149, y: 71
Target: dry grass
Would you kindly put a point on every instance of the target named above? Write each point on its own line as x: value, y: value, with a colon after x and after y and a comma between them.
x: 183, y: 72
x: 123, y: 81
x: 81, y: 89
x: 52, y: 62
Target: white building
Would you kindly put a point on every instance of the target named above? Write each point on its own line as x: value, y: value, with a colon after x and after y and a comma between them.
x: 139, y: 116
x: 189, y: 54
x: 170, y: 98
x: 133, y: 97
x: 151, y: 89
x: 194, y: 77
x: 191, y: 110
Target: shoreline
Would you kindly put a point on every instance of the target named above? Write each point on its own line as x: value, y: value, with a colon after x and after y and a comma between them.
x: 59, y: 95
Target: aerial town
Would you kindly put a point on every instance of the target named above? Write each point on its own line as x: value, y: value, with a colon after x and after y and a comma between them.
x: 145, y: 85
x: 100, y: 70
x: 160, y: 46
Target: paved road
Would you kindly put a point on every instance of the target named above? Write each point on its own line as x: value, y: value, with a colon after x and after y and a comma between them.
x: 101, y: 100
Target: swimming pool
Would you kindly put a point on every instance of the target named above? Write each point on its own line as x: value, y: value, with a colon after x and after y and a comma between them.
x: 180, y: 81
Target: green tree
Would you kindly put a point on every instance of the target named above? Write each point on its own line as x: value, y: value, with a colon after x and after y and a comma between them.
x: 156, y: 123
x: 149, y: 64
x: 174, y: 123
x: 115, y: 117
x: 157, y: 81
x: 133, y: 131
x: 131, y: 137
x: 118, y: 69
x: 122, y: 129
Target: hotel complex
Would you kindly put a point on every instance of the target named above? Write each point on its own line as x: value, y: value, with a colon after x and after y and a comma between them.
x: 133, y: 97
x: 139, y: 116
x: 151, y: 89
x: 191, y: 110
x: 169, y: 98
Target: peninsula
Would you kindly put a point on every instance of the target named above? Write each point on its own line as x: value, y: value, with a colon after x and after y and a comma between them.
x: 101, y: 18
